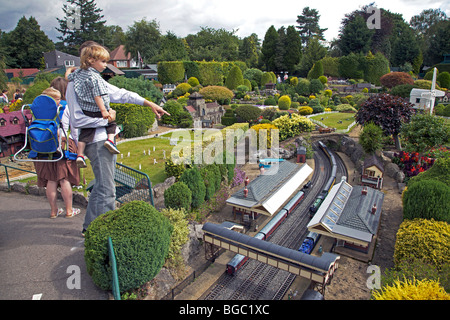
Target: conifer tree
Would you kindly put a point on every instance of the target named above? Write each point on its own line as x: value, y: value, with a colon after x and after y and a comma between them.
x: 89, y: 26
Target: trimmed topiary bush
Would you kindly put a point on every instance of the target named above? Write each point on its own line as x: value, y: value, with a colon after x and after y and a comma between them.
x: 305, y: 110
x: 428, y: 199
x: 193, y: 81
x: 394, y: 79
x: 141, y: 239
x: 284, y: 102
x: 234, y: 79
x: 220, y: 94
x: 424, y: 240
x: 178, y: 196
x: 412, y: 290
x: 193, y: 179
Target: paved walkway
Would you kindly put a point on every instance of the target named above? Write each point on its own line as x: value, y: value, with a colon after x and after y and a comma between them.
x: 42, y: 258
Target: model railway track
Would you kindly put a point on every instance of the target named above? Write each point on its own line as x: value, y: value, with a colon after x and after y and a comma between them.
x: 256, y: 280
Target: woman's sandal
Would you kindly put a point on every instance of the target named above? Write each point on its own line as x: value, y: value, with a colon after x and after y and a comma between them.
x: 75, y: 212
x: 60, y: 212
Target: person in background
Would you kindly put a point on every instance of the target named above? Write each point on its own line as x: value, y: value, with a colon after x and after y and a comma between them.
x: 4, y: 96
x: 18, y: 95
x: 63, y: 173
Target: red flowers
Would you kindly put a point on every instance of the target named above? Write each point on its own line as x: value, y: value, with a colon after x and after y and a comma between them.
x: 411, y: 163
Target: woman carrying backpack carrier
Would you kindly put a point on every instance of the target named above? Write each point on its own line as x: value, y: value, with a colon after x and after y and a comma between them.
x: 65, y: 172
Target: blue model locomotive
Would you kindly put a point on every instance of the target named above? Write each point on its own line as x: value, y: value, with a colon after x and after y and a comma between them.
x: 309, y: 242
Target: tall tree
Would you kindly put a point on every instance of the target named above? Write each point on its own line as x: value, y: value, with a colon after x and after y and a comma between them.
x: 313, y: 52
x: 213, y: 44
x: 26, y: 43
x: 422, y: 22
x: 355, y: 36
x: 280, y: 51
x: 309, y: 25
x: 144, y: 38
x: 293, y: 49
x: 438, y: 43
x: 172, y: 48
x: 250, y: 50
x: 77, y: 29
x: 269, y: 48
x: 113, y: 36
x: 405, y: 48
x: 424, y: 26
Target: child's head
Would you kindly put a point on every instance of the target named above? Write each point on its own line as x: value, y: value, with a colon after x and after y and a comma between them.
x: 91, y: 54
x: 60, y: 84
x: 52, y: 92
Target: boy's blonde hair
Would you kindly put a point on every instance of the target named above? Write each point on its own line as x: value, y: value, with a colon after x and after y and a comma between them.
x: 52, y: 92
x: 93, y: 53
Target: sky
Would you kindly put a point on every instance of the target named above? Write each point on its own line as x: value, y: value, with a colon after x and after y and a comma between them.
x: 184, y: 17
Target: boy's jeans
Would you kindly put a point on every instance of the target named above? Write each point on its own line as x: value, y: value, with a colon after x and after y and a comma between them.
x: 103, y: 196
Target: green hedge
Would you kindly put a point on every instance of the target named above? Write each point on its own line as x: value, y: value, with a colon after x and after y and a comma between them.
x: 428, y: 199
x: 193, y: 179
x: 143, y: 87
x: 210, y: 73
x: 141, y: 239
x: 136, y: 120
x: 170, y: 71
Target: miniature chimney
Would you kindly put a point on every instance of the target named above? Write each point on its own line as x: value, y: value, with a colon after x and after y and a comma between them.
x: 246, y: 181
x: 245, y: 192
x: 374, y: 208
x: 364, y: 191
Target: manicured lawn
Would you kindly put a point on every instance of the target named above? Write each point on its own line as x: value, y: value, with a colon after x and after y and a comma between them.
x: 137, y: 157
x: 332, y: 119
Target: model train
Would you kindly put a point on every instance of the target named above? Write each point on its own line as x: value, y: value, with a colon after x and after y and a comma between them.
x: 315, y: 206
x: 309, y: 242
x: 238, y: 260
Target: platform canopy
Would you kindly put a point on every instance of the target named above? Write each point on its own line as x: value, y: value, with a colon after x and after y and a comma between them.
x: 350, y: 213
x: 269, y: 191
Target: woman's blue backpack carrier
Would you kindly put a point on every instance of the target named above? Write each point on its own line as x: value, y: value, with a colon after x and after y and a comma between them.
x: 42, y: 132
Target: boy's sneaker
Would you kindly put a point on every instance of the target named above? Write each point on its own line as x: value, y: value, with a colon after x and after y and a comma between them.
x: 81, y: 162
x: 111, y: 146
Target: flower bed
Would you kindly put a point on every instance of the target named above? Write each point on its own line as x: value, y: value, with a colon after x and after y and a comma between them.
x: 411, y: 163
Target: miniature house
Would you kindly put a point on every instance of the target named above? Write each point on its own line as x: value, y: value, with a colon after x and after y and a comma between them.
x: 206, y: 113
x: 301, y: 154
x: 372, y: 172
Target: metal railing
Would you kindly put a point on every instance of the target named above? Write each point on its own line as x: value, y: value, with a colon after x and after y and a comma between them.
x: 115, y: 276
x: 131, y: 184
x: 15, y: 168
